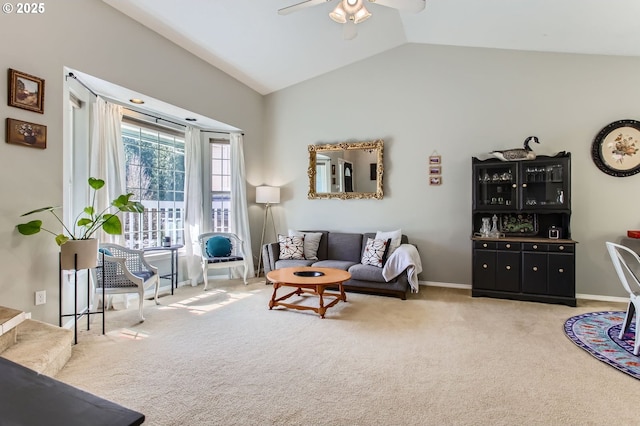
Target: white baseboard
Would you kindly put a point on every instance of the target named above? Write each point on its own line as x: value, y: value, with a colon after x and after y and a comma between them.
x: 602, y: 298
x: 448, y: 285
x: 582, y: 296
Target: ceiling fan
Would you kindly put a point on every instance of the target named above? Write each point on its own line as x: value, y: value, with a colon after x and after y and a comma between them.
x: 352, y: 12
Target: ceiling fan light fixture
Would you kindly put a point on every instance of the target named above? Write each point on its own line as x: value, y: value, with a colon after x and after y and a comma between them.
x: 351, y: 7
x: 361, y: 15
x: 352, y: 10
x: 339, y: 14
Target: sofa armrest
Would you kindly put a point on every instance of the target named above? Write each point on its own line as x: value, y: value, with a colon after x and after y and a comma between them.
x: 403, y: 279
x: 270, y: 255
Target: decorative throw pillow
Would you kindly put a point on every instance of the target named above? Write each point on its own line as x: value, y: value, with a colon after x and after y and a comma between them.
x: 375, y: 252
x: 218, y: 246
x: 110, y: 269
x: 396, y: 238
x: 291, y: 247
x: 311, y: 242
x: 105, y: 251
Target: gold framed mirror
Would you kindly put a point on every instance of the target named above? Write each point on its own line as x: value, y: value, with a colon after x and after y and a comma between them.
x: 347, y: 170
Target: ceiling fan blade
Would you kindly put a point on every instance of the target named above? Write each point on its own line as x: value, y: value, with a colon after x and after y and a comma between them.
x: 299, y: 6
x: 349, y: 30
x: 404, y: 5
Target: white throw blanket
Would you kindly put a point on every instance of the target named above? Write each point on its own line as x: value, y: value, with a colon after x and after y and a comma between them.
x: 404, y: 257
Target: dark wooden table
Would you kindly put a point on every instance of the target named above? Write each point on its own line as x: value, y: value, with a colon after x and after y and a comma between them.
x: 29, y: 398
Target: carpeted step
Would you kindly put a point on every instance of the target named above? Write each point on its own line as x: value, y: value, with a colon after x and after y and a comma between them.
x: 42, y: 347
x: 9, y: 320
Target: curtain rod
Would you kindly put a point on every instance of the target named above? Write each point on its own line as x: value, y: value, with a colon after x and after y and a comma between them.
x: 155, y: 117
x: 72, y: 75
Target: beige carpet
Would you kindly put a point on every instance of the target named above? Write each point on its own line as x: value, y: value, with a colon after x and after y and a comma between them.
x: 221, y: 357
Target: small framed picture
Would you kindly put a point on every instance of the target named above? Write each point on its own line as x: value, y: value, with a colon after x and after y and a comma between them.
x: 26, y: 91
x: 26, y: 134
x: 373, y: 171
x: 435, y: 180
x: 435, y: 170
x: 333, y: 169
x: 434, y: 159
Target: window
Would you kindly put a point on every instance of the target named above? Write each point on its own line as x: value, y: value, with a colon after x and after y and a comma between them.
x: 220, y: 185
x: 155, y: 175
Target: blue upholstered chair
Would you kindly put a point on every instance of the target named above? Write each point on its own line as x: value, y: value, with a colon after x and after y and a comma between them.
x: 222, y: 250
x: 123, y: 270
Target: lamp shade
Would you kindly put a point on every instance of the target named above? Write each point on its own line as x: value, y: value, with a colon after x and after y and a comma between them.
x: 267, y: 194
x: 361, y: 15
x: 339, y: 15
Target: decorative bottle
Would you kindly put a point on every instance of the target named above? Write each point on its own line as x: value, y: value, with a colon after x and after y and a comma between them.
x: 494, y: 228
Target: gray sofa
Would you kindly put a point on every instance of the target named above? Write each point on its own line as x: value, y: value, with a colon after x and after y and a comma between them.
x: 342, y: 250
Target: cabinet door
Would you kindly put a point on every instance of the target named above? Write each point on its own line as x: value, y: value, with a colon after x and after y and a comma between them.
x: 494, y: 186
x: 534, y: 273
x: 508, y: 271
x: 484, y: 269
x: 544, y: 184
x: 562, y: 275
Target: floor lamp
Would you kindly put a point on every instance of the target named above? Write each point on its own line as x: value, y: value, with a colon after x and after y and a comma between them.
x: 266, y: 195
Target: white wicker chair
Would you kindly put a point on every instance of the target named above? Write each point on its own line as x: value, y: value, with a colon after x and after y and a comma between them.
x: 627, y: 275
x: 124, y: 271
x: 237, y: 257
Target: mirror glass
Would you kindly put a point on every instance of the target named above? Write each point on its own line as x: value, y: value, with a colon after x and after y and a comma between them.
x: 346, y: 170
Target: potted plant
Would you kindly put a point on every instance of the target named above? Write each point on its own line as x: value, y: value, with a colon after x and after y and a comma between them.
x: 87, y: 223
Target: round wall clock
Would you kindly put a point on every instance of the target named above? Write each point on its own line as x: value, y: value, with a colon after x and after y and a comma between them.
x: 615, y: 148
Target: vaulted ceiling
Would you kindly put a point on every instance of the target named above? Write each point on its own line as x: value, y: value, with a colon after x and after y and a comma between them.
x: 249, y: 40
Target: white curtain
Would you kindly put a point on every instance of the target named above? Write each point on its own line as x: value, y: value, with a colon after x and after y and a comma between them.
x: 239, y: 211
x: 107, y: 158
x: 194, y: 207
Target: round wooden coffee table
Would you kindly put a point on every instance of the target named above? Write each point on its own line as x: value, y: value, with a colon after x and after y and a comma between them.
x: 308, y: 279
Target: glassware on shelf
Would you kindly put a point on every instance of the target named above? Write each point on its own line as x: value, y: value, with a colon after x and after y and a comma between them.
x: 485, y: 230
x: 554, y: 232
x: 494, y: 228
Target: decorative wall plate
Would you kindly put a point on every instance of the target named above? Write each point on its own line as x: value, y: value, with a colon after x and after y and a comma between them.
x: 615, y: 149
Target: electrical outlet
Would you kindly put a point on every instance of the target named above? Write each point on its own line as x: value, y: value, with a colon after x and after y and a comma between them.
x: 41, y: 297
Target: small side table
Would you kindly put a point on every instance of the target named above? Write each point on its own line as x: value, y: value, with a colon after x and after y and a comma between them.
x: 173, y: 276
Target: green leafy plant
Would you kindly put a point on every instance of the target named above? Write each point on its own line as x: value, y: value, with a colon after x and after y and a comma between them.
x: 88, y: 221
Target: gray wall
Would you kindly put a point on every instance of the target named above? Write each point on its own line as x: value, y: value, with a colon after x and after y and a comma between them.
x: 458, y: 102
x: 92, y: 37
